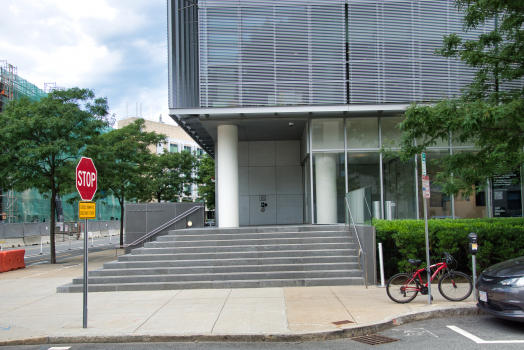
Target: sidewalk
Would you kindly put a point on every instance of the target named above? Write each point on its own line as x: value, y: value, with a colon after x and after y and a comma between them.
x: 31, y: 312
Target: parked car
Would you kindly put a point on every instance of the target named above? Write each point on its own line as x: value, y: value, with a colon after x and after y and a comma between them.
x: 210, y: 222
x: 501, y: 290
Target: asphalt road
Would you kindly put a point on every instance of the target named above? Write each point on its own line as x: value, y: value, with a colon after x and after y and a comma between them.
x: 473, y: 332
x: 64, y: 251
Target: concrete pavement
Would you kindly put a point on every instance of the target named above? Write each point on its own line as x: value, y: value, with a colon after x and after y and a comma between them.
x: 31, y: 312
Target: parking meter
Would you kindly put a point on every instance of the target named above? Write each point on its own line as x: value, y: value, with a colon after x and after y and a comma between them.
x: 473, y: 249
x: 473, y: 243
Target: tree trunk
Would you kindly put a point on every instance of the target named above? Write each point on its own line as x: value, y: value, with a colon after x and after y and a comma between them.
x: 158, y: 197
x: 52, y: 226
x: 121, y: 221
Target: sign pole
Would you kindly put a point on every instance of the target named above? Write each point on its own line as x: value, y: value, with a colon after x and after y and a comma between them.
x: 425, y: 196
x: 85, y: 275
x: 86, y: 184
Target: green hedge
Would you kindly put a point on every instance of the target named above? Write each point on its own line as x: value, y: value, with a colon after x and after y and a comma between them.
x: 499, y: 239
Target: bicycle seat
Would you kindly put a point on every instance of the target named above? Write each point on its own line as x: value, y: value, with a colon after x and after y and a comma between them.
x: 414, y: 262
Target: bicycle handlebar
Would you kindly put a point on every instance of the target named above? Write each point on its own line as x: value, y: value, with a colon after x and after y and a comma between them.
x: 448, y: 258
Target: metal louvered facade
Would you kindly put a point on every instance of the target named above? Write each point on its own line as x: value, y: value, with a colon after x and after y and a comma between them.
x: 311, y: 52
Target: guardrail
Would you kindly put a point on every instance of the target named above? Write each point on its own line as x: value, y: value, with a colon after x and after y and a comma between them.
x: 360, y: 249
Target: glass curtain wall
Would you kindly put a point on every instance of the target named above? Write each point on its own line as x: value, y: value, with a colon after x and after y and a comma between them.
x: 345, y: 158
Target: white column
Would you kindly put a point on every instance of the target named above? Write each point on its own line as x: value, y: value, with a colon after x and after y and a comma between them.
x: 326, y: 188
x: 227, y: 177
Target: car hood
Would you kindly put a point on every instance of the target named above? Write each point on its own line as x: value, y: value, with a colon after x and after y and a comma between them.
x: 508, y: 268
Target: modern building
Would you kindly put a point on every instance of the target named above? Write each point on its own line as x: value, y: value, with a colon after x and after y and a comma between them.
x: 294, y: 99
x: 177, y: 141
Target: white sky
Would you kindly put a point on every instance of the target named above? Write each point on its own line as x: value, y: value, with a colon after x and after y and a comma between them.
x: 116, y: 47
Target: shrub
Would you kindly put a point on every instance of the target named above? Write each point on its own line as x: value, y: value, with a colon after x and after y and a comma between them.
x: 499, y: 239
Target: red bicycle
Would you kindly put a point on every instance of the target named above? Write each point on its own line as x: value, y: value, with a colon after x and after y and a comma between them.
x: 453, y: 285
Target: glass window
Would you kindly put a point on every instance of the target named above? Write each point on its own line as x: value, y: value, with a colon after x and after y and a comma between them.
x: 328, y: 134
x: 173, y: 148
x: 329, y: 187
x: 470, y: 207
x: 362, y: 132
x: 439, y: 203
x: 187, y: 148
x: 364, y: 172
x: 439, y: 142
x: 399, y: 189
x: 390, y: 131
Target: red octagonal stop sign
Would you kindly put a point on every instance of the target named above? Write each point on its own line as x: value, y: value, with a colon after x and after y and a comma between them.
x: 86, y: 179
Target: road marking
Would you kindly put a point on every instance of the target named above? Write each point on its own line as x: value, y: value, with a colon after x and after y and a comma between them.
x: 481, y: 341
x: 415, y: 331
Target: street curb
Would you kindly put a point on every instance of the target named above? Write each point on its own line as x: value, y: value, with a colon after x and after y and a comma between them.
x: 299, y: 337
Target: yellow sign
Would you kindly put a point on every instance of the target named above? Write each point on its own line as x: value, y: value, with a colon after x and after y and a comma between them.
x: 87, y: 210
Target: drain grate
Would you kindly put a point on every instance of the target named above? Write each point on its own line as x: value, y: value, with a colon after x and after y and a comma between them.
x: 374, y: 339
x: 340, y: 323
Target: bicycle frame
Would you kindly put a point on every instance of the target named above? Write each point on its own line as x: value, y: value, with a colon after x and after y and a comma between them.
x: 418, y: 278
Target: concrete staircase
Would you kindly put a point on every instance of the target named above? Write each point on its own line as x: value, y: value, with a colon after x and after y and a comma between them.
x: 246, y: 257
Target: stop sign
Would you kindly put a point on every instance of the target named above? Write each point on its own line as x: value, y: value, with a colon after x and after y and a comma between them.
x: 86, y: 179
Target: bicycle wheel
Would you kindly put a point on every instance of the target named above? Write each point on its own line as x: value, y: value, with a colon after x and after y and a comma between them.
x: 402, y: 288
x: 456, y: 286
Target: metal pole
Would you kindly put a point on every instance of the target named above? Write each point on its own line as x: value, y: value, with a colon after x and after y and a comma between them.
x: 427, y: 248
x: 40, y: 245
x: 69, y: 236
x: 85, y: 276
x: 381, y: 259
x: 474, y: 258
x: 92, y: 239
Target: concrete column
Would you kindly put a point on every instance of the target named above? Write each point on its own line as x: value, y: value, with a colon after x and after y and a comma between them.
x: 227, y: 176
x: 326, y: 188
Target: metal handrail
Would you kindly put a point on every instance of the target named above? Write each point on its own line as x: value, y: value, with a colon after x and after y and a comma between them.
x: 360, y: 249
x: 160, y: 228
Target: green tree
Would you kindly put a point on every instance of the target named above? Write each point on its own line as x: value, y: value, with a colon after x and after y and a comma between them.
x: 168, y: 174
x: 42, y: 140
x: 206, y: 177
x: 490, y: 113
x: 122, y: 159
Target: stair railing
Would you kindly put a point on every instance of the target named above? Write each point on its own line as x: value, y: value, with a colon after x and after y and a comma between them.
x: 360, y: 249
x: 160, y: 228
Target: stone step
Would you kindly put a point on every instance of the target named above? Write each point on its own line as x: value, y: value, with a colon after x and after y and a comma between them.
x: 242, y: 248
x: 221, y: 269
x: 230, y: 262
x: 275, y: 275
x: 240, y: 254
x: 261, y: 229
x: 189, y: 236
x: 246, y: 242
x: 307, y: 282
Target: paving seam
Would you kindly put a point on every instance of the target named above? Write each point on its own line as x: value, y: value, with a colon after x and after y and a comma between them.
x: 370, y: 328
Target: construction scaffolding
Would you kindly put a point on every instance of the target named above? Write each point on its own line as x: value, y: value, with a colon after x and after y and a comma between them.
x: 9, y: 207
x: 13, y: 87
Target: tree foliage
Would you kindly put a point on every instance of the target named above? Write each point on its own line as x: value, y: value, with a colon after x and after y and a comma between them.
x: 123, y: 159
x: 169, y: 173
x: 41, y: 142
x: 206, y: 177
x: 490, y: 113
